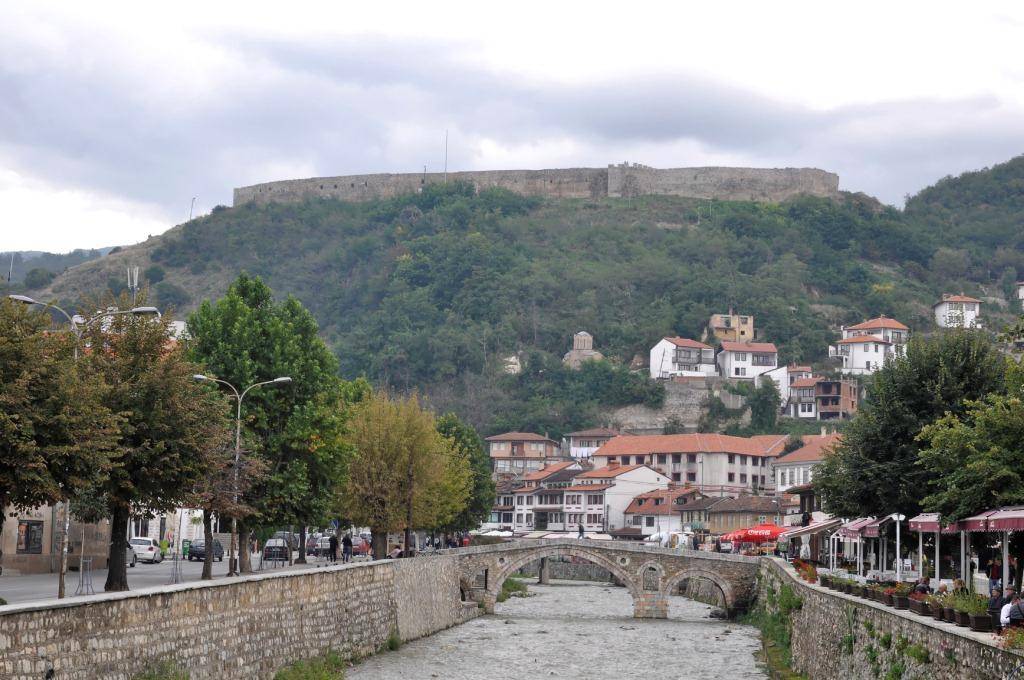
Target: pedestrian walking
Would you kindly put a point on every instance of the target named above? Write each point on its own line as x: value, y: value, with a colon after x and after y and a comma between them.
x: 332, y: 544
x: 346, y: 548
x: 581, y: 530
x: 995, y: 573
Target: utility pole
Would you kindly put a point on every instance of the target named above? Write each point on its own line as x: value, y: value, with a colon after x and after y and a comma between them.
x: 191, y: 208
x: 446, y: 156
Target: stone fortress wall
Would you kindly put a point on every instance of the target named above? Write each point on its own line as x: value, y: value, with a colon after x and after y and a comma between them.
x: 625, y: 180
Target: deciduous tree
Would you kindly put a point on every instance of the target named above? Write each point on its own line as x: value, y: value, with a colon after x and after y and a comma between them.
x: 482, y: 491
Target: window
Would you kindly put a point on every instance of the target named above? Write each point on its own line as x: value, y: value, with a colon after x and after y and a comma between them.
x: 662, y: 459
x: 732, y: 459
x: 743, y: 478
x: 677, y: 458
x: 659, y: 501
x: 594, y: 499
x: 30, y: 537
x: 638, y: 460
x: 649, y: 521
x: 761, y: 519
x: 806, y: 408
x: 636, y: 520
x: 691, y: 458
x: 529, y: 500
x: 743, y: 320
x: 740, y: 370
x: 691, y: 476
x: 519, y: 500
x: 519, y: 518
x: 740, y: 356
x: 529, y: 519
x: 763, y: 359
x: 677, y: 477
x: 732, y: 476
x: 762, y: 481
x: 506, y: 518
x: 743, y: 460
x: 594, y: 519
x: 876, y: 348
x: 612, y: 459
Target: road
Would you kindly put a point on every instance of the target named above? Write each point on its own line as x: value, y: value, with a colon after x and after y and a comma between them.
x: 574, y: 629
x: 36, y: 587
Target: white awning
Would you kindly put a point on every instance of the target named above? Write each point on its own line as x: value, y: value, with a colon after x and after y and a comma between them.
x: 813, y: 528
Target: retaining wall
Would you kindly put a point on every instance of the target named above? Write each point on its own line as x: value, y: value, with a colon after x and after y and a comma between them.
x: 842, y: 636
x: 239, y: 628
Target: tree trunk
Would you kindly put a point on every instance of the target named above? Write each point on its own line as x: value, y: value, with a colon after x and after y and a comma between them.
x: 117, y: 567
x: 208, y: 538
x: 3, y: 507
x: 244, y: 561
x: 379, y: 543
x: 407, y: 550
x: 302, y: 545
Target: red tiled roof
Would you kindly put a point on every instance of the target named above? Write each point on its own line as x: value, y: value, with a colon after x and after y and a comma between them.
x: 956, y: 298
x: 608, y: 471
x: 760, y: 445
x: 879, y: 322
x: 596, y: 432
x: 794, y: 368
x: 547, y: 471
x: 668, y: 505
x: 588, y: 487
x: 729, y: 346
x: 814, y: 449
x: 807, y: 382
x: 686, y: 342
x: 519, y: 437
x: 860, y: 339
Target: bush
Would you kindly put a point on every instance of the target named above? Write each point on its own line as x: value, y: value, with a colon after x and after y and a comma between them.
x: 162, y: 670
x: 1012, y: 638
x: 512, y: 587
x: 331, y: 666
x: 919, y: 654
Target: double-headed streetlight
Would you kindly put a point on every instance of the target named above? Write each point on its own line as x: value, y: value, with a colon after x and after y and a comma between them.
x: 78, y: 325
x: 239, y: 396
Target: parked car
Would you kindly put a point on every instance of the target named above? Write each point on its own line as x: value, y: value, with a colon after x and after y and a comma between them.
x: 146, y: 549
x: 197, y: 550
x: 360, y: 546
x: 311, y: 544
x: 275, y: 549
x: 323, y: 546
x: 292, y: 538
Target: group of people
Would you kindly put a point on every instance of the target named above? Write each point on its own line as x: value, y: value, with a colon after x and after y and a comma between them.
x: 346, y: 548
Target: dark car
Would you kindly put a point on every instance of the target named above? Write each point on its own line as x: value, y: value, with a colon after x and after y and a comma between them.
x: 197, y: 550
x: 291, y: 537
x: 275, y: 549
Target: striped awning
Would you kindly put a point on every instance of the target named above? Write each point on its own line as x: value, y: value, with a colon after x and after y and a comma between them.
x: 813, y: 528
x: 855, y: 528
x: 1006, y: 519
x: 928, y: 522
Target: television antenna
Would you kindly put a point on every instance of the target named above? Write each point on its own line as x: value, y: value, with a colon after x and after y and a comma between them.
x: 133, y: 282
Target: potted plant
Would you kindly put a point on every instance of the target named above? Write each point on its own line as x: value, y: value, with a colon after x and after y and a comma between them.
x: 889, y: 592
x: 948, y: 608
x: 900, y: 594
x: 919, y: 604
x: 977, y: 611
x: 935, y: 603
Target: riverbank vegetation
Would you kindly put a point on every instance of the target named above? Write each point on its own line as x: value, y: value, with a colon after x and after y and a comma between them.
x: 330, y: 666
x: 512, y: 587
x: 773, y: 619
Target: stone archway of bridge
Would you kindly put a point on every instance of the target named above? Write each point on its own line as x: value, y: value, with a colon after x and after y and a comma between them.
x: 674, y: 581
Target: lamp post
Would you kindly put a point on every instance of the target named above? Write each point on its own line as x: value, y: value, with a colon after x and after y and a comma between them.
x: 78, y: 325
x: 239, y: 396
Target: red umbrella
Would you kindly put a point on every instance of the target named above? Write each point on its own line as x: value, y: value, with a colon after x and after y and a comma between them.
x: 759, y: 534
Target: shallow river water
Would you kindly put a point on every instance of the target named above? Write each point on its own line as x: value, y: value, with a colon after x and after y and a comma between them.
x: 576, y: 630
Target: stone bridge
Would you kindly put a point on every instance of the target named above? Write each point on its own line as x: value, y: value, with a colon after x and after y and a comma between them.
x: 650, y: 574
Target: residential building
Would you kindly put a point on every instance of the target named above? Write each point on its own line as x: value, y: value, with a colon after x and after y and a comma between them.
x: 31, y: 540
x: 582, y: 350
x: 658, y: 511
x: 836, y: 399
x: 695, y: 516
x: 717, y: 464
x: 584, y: 443
x: 797, y: 467
x: 747, y: 360
x: 782, y: 377
x: 1020, y: 294
x: 865, y: 347
x: 514, y: 454
x: 732, y: 327
x: 538, y: 502
x: 598, y: 498
x: 673, y: 357
x: 802, y: 402
x: 502, y: 517
x: 746, y: 511
x: 957, y: 311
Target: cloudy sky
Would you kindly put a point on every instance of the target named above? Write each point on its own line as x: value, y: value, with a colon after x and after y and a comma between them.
x: 112, y: 117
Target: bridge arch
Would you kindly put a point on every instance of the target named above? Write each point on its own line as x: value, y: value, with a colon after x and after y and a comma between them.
x: 728, y: 593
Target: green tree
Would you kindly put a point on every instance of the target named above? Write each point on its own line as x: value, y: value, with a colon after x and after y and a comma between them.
x: 38, y: 278
x: 169, y: 424
x: 56, y: 435
x: 482, y: 490
x: 404, y: 474
x: 764, y: 407
x: 296, y: 429
x: 874, y: 469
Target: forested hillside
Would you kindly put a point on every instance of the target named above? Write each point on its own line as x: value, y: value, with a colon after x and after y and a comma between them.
x: 431, y: 291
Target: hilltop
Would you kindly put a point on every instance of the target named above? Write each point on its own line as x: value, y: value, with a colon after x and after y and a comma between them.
x: 432, y: 290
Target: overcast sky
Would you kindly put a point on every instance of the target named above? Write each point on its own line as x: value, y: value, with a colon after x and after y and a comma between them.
x: 113, y: 118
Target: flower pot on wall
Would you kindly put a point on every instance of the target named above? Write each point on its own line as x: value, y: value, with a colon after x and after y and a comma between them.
x: 963, y: 619
x: 900, y: 601
x: 949, y: 614
x: 981, y: 623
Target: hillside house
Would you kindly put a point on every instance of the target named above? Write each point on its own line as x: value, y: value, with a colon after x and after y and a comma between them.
x: 731, y: 327
x: 957, y: 311
x: 836, y: 399
x: 695, y: 516
x: 802, y: 402
x: 658, y: 511
x: 717, y: 464
x: 502, y: 517
x: 782, y: 377
x: 1020, y: 294
x: 673, y: 357
x: 598, y: 498
x: 797, y: 467
x: 514, y: 454
x: 866, y: 346
x: 747, y: 360
x: 584, y: 443
x: 582, y: 350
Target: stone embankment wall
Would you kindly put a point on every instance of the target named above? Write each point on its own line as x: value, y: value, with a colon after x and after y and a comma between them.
x: 736, y: 184
x: 842, y: 636
x: 569, y: 571
x: 244, y: 628
x: 685, y: 402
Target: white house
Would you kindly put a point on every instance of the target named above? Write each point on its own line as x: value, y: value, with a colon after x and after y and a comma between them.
x: 681, y: 357
x: 583, y: 443
x: 1020, y: 293
x: 598, y: 498
x: 883, y: 327
x: 797, y: 467
x: 783, y: 377
x: 747, y: 359
x: 658, y: 511
x: 802, y: 401
x: 866, y: 346
x: 957, y: 311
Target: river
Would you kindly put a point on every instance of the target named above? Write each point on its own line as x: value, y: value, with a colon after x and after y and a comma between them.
x: 574, y: 629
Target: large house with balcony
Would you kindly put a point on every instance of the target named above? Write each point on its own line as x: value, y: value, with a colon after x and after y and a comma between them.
x: 747, y: 360
x: 819, y: 398
x: 957, y: 311
x: 538, y: 502
x: 598, y: 498
x: 717, y: 464
x: 865, y: 347
x: 502, y: 512
x: 656, y: 512
x: 584, y: 443
x: 673, y: 357
x: 515, y: 454
x: 797, y: 467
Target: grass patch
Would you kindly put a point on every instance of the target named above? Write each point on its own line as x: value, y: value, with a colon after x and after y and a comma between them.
x: 393, y: 643
x: 512, y: 587
x: 162, y: 670
x: 330, y: 666
x: 895, y: 671
x: 885, y: 641
x: 919, y: 654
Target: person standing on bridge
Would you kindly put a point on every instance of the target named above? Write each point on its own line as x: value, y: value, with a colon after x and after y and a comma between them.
x: 346, y: 548
x: 332, y: 546
x: 581, y: 530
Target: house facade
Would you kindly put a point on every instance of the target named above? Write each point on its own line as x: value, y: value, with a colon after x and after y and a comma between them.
x: 598, y: 498
x: 659, y: 511
x: 957, y: 311
x: 746, y: 511
x: 514, y: 454
x: 503, y: 511
x: 802, y: 402
x: 747, y: 360
x: 836, y: 399
x: 731, y: 327
x: 673, y: 357
x: 539, y: 501
x: 716, y: 464
x: 865, y: 347
x: 796, y: 468
x: 584, y: 443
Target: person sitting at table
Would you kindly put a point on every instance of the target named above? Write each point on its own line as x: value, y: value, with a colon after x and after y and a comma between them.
x: 922, y: 586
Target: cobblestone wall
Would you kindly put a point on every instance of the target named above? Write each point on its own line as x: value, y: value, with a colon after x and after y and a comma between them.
x: 842, y: 636
x: 245, y: 628
x: 570, y: 571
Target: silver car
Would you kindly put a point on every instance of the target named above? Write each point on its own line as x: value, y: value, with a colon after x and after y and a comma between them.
x: 146, y: 549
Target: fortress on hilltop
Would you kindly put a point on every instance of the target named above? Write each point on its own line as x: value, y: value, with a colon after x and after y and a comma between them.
x: 625, y: 180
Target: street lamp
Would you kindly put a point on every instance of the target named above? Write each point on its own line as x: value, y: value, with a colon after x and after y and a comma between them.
x: 78, y: 324
x: 239, y: 396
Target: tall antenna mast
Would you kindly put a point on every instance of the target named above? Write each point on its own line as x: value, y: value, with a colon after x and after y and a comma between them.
x: 446, y: 156
x: 133, y: 282
x: 191, y: 208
